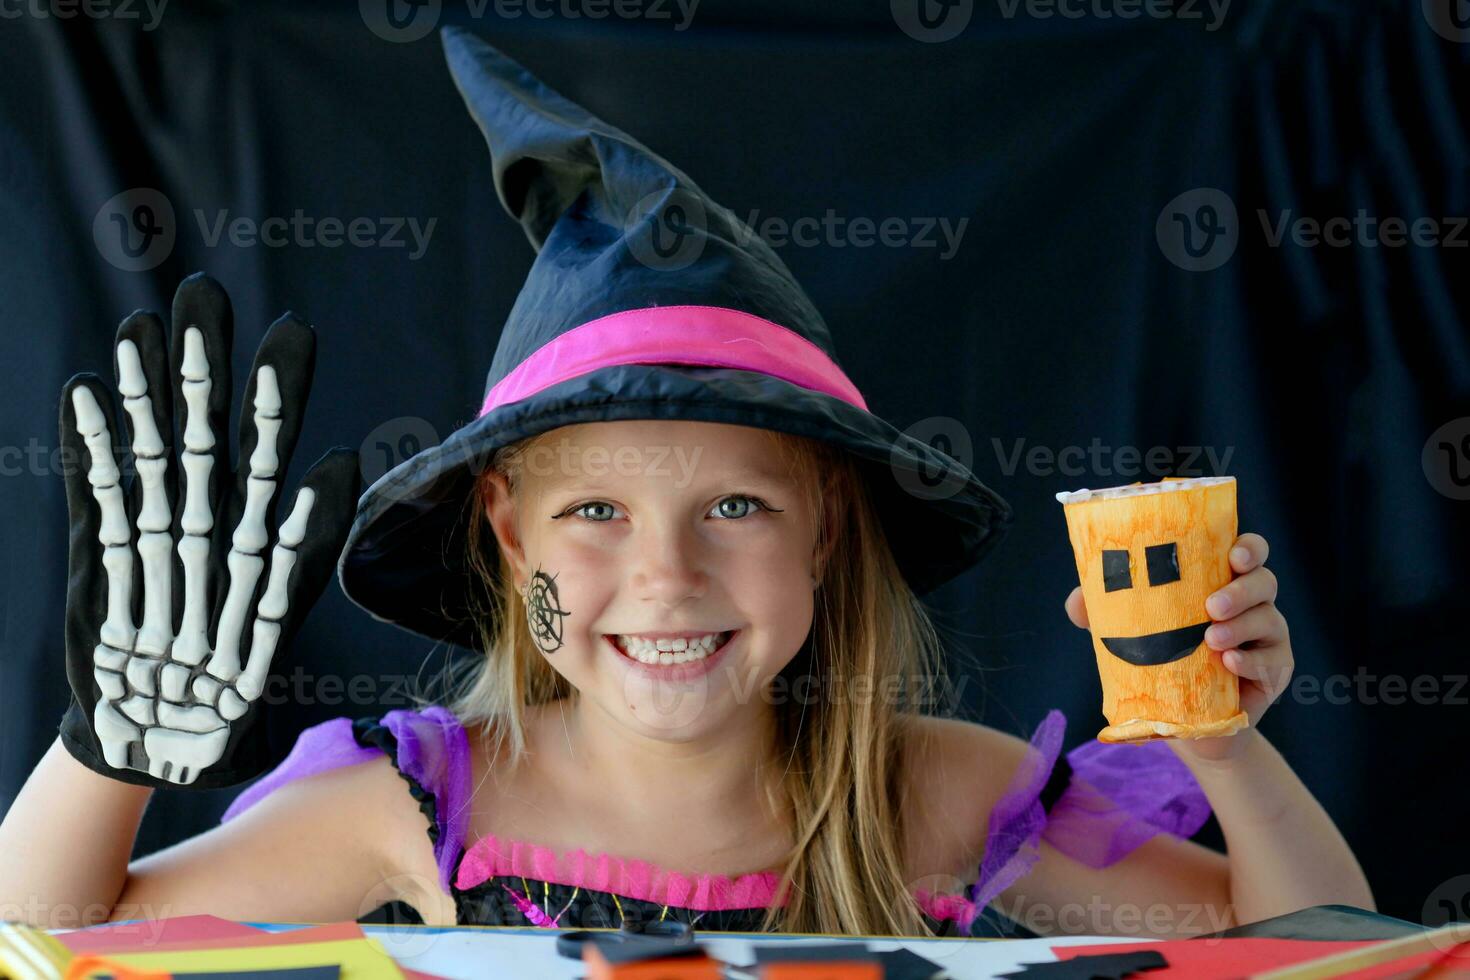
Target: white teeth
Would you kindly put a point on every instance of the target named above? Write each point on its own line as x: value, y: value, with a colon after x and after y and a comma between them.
x: 676, y: 651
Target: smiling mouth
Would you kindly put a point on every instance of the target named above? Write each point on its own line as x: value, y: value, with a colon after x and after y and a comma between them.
x: 690, y: 655
x: 1157, y: 648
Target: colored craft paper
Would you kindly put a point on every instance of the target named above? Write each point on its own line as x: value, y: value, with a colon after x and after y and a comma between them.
x: 1193, y: 958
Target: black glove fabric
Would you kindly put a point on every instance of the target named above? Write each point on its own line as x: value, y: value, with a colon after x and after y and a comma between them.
x: 182, y: 591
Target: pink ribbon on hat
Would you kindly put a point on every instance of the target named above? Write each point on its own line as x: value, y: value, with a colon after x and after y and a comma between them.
x: 707, y: 336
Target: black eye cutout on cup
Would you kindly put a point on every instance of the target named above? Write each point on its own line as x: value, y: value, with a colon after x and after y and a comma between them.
x: 1116, y: 573
x: 1163, y: 563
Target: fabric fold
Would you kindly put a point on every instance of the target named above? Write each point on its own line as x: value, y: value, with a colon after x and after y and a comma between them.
x: 1118, y: 798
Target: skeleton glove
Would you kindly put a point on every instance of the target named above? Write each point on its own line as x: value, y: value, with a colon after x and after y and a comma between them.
x: 181, y: 588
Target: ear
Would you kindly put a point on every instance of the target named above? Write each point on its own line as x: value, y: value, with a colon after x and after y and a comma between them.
x: 500, y: 510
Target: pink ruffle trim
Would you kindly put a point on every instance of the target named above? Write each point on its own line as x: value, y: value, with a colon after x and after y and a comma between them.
x: 491, y: 857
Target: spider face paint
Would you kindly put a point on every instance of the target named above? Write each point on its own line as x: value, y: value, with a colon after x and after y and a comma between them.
x: 544, y: 612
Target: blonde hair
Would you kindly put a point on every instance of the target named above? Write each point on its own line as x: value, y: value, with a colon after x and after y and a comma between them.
x: 841, y: 758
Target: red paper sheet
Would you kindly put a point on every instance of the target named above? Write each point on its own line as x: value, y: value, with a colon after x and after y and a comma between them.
x: 152, y: 932
x: 1228, y: 958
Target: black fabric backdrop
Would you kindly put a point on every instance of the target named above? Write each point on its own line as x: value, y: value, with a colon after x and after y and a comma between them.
x: 1065, y: 318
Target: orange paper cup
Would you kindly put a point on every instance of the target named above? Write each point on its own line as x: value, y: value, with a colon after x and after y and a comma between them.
x: 1148, y: 554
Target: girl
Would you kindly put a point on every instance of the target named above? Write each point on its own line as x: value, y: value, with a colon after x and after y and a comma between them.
x: 690, y: 559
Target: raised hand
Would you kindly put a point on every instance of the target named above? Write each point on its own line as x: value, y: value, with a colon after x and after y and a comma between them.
x: 171, y: 696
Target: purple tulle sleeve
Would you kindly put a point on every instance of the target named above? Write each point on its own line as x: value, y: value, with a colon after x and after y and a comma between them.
x: 432, y: 750
x: 1119, y: 796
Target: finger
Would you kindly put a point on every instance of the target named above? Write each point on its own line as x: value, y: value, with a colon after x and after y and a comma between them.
x: 199, y: 352
x: 200, y: 368
x: 1271, y: 667
x: 1076, y: 608
x: 285, y: 361
x: 142, y: 379
x: 100, y: 522
x: 1249, y: 552
x: 1245, y: 592
x: 247, y: 546
x: 279, y: 385
x: 273, y: 608
x: 86, y: 592
x: 118, y: 630
x: 1263, y: 624
x: 336, y: 480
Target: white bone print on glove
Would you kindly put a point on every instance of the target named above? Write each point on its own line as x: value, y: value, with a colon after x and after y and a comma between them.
x: 171, y: 693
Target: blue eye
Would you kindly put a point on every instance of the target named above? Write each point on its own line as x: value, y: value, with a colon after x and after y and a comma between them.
x: 740, y: 498
x: 592, y: 503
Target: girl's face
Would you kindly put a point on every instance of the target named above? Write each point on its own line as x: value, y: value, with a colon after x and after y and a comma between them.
x: 623, y: 531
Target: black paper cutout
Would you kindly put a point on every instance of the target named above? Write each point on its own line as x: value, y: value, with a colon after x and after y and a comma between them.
x: 1163, y: 563
x: 788, y: 952
x: 1153, y: 649
x: 1116, y: 574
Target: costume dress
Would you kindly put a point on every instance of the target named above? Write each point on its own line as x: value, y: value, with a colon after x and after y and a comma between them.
x: 1096, y: 803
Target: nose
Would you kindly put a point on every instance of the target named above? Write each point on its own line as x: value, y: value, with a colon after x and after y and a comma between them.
x: 669, y: 568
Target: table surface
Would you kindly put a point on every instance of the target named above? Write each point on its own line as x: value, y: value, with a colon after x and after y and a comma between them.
x: 467, y: 952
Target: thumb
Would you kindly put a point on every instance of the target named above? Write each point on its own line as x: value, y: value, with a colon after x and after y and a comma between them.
x: 1076, y: 608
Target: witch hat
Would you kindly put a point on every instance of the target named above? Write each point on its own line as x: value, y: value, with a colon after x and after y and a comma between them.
x: 647, y: 300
